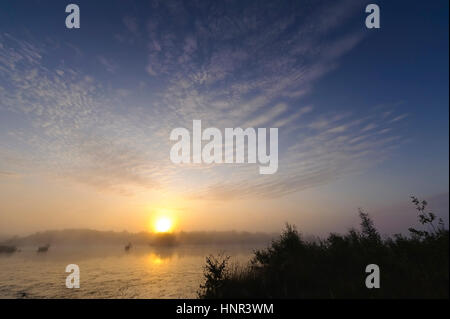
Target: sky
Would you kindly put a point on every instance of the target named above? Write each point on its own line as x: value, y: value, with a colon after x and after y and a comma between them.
x: 86, y: 114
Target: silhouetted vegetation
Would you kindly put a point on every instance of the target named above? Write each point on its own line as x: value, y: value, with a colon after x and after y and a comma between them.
x: 43, y: 249
x: 164, y: 239
x: 414, y: 266
x: 95, y: 237
x: 4, y: 249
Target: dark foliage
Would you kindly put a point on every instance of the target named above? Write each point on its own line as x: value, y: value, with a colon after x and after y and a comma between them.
x: 414, y: 266
x: 4, y: 249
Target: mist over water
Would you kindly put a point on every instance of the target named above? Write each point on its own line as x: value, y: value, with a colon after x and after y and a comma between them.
x: 111, y: 272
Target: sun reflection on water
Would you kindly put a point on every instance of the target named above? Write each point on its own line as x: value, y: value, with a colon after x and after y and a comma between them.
x: 158, y: 259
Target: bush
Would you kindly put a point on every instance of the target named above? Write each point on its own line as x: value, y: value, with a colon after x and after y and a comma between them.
x: 5, y: 249
x: 414, y: 266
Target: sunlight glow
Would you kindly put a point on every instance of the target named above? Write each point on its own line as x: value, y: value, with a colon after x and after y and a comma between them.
x: 163, y: 225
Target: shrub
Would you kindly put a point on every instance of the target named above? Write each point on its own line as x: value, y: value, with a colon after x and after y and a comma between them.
x: 414, y: 266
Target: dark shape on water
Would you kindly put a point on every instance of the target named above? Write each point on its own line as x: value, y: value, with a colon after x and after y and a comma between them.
x: 128, y: 247
x: 4, y: 249
x: 43, y: 249
x: 164, y: 239
x: 23, y: 294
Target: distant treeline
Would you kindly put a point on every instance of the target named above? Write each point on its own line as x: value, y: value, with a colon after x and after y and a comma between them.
x: 89, y: 237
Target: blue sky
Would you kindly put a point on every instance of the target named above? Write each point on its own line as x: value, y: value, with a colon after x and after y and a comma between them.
x: 362, y: 114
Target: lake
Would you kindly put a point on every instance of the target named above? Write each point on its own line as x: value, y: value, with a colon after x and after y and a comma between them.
x: 110, y: 272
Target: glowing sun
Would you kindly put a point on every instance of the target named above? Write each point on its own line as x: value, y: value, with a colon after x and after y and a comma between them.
x: 163, y: 225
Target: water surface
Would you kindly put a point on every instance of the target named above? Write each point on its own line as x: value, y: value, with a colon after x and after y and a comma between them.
x: 110, y: 272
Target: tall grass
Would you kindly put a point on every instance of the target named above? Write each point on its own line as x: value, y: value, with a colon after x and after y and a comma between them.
x: 414, y: 266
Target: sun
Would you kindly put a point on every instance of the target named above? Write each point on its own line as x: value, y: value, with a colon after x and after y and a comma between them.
x: 163, y: 225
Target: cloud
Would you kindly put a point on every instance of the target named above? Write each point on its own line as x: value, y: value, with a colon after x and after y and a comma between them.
x: 131, y: 24
x: 399, y: 118
x: 73, y: 131
x: 109, y: 65
x: 4, y: 174
x: 247, y: 66
x: 267, y: 116
x: 292, y: 117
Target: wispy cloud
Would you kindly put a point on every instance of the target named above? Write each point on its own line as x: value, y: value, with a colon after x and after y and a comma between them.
x: 109, y: 65
x: 244, y: 67
x: 4, y: 174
